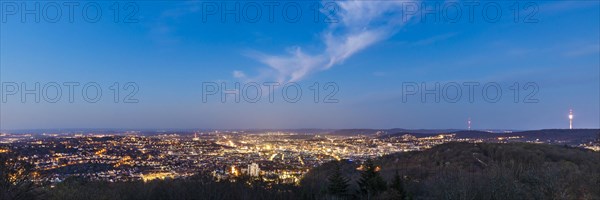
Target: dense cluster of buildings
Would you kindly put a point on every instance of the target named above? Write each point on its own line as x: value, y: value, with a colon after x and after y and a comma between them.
x: 278, y: 157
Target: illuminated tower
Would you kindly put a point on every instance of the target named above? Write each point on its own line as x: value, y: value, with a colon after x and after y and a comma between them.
x: 196, y: 137
x: 570, y: 118
x: 469, y: 123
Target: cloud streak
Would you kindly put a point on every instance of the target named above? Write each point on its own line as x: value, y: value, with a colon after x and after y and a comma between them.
x: 360, y: 24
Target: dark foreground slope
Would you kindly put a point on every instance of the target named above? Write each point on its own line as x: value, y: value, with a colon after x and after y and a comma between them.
x: 482, y: 171
x: 448, y: 171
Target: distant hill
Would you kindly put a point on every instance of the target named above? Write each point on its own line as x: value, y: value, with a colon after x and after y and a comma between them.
x: 400, y: 134
x: 368, y: 132
x: 484, y: 171
x: 560, y: 134
x: 423, y: 131
x: 563, y: 136
x: 354, y: 132
x: 459, y: 134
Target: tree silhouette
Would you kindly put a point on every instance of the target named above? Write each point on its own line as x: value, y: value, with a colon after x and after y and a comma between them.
x: 397, y: 187
x: 16, y: 179
x: 370, y: 182
x: 338, y: 184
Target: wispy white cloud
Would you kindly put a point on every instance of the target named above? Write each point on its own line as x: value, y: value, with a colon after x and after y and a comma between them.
x: 435, y: 39
x: 591, y: 49
x: 238, y: 74
x: 163, y: 29
x: 360, y: 25
x: 556, y: 7
x: 378, y: 73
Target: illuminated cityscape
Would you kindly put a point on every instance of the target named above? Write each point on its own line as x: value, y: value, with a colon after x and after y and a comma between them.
x: 273, y: 156
x: 299, y: 100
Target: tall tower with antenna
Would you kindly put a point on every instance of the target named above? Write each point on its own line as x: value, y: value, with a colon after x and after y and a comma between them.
x: 570, y: 118
x: 469, y: 123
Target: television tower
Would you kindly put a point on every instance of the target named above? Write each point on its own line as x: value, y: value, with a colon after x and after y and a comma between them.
x: 469, y: 123
x: 570, y: 118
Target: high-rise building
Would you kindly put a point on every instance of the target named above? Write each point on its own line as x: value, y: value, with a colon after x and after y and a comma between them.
x: 253, y: 170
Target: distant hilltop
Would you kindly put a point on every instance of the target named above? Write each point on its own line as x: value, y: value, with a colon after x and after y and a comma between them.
x: 564, y: 136
x: 570, y: 135
x: 490, y: 132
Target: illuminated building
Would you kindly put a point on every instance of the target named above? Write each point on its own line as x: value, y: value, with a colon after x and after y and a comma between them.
x: 253, y: 170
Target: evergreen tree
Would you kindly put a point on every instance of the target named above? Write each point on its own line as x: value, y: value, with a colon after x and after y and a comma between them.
x: 397, y: 185
x: 370, y: 182
x: 338, y: 184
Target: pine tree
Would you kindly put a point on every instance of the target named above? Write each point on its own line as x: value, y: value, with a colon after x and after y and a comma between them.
x: 370, y: 182
x: 398, y: 186
x: 338, y: 184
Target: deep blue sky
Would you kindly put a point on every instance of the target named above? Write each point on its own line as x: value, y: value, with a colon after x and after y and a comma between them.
x: 170, y: 50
